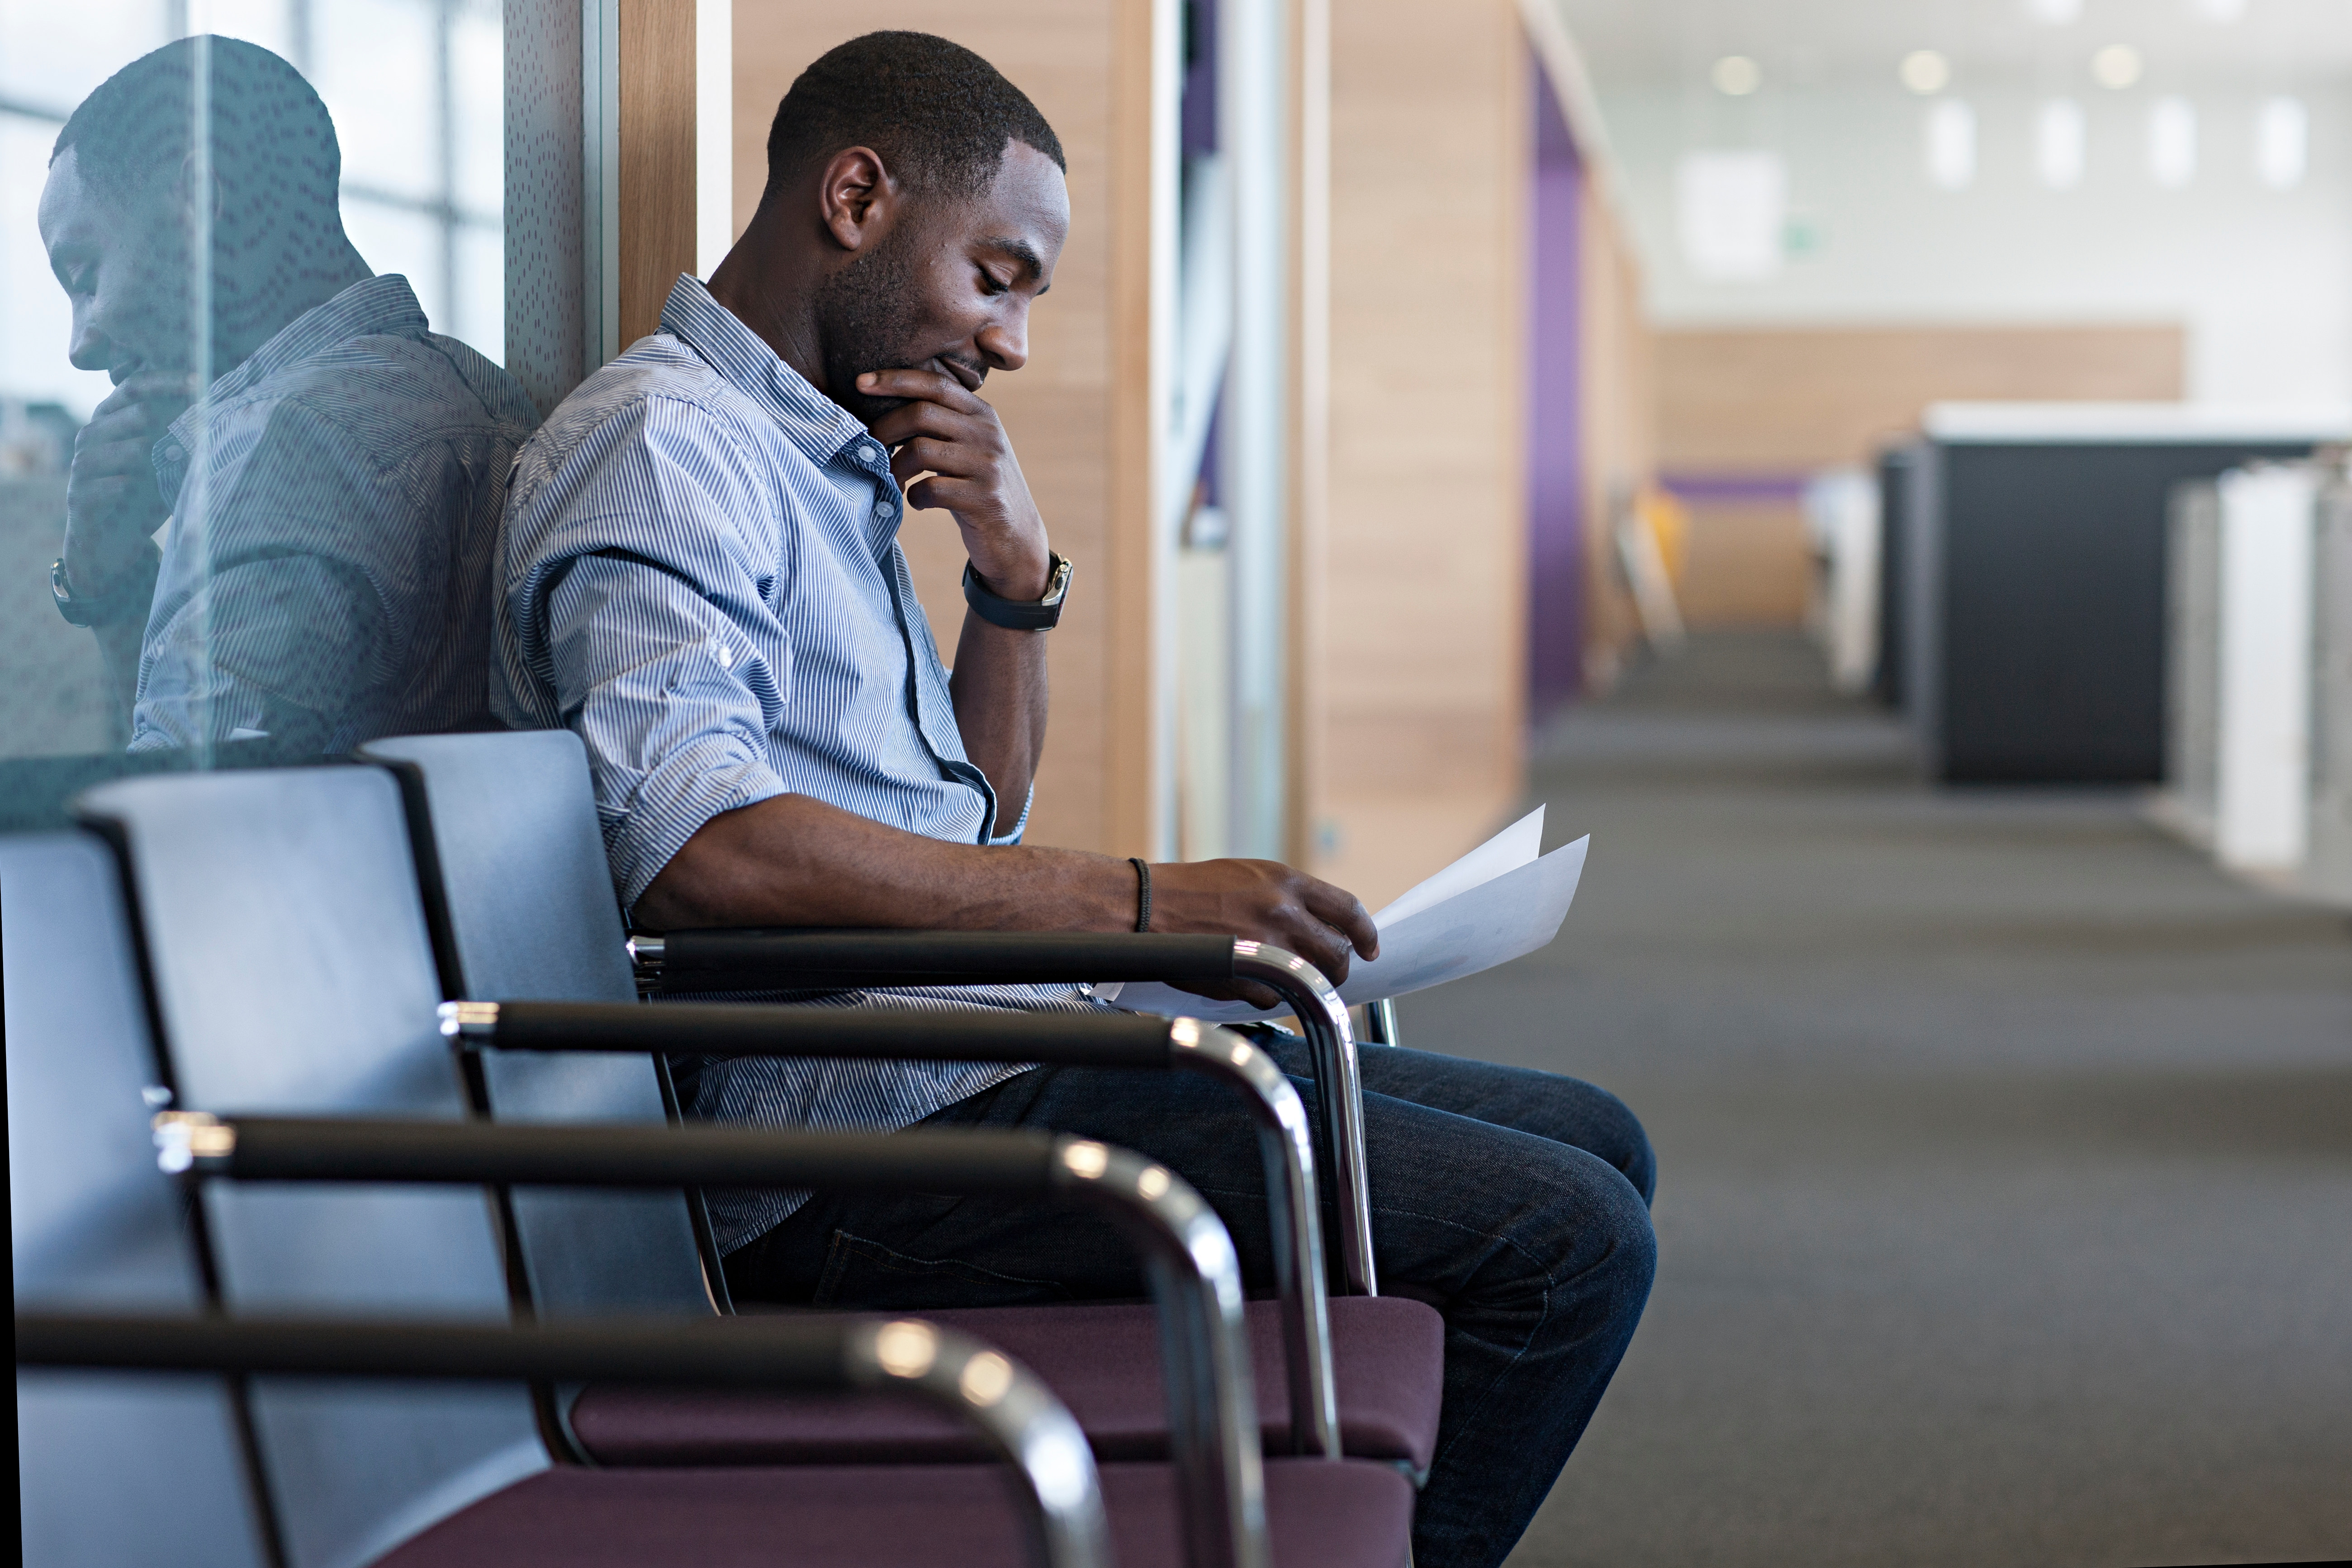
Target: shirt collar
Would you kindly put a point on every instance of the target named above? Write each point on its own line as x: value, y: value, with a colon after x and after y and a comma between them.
x: 382, y: 306
x: 815, y: 422
x: 374, y: 307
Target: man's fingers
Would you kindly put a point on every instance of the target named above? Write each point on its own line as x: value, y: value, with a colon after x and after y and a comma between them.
x: 947, y: 492
x: 926, y: 454
x: 1344, y: 912
x: 113, y: 457
x: 925, y: 421
x: 1258, y: 997
x: 1321, y: 946
x: 924, y: 385
x: 134, y: 422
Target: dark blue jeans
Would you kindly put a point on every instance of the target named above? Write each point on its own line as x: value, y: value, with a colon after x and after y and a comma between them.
x: 1516, y: 1201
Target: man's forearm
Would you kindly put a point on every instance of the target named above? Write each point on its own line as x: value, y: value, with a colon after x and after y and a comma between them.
x: 1000, y: 691
x: 791, y: 860
x: 796, y: 861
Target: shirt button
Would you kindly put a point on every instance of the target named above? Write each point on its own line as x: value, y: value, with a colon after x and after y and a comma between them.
x: 869, y: 454
x: 882, y: 509
x: 172, y: 454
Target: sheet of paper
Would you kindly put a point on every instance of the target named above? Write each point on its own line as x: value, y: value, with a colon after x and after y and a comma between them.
x: 1476, y: 930
x: 1509, y: 850
x: 1506, y: 851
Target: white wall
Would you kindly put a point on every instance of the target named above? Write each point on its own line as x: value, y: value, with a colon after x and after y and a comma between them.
x: 2261, y: 278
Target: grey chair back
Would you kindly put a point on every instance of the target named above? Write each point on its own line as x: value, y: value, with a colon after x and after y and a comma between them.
x: 290, y: 973
x: 110, y: 1468
x: 510, y: 864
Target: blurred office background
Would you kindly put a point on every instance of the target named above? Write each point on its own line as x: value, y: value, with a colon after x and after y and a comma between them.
x: 1876, y: 465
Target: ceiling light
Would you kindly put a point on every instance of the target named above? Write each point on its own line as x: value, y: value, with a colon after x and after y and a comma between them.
x: 1737, y: 76
x: 2282, y: 142
x: 2222, y: 11
x: 1951, y: 144
x: 1925, y: 71
x: 2172, y: 141
x: 2060, y: 138
x: 2054, y: 13
x: 2117, y: 66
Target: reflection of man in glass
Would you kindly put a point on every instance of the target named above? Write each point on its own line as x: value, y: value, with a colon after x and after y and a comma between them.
x: 333, y: 493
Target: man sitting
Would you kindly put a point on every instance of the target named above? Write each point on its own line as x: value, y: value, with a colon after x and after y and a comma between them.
x: 703, y: 579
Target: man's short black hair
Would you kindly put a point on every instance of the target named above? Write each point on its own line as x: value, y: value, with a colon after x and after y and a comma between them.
x: 939, y: 115
x: 271, y: 137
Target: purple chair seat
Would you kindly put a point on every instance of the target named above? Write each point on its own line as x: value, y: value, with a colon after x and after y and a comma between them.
x: 1101, y: 1359
x: 1347, y: 1515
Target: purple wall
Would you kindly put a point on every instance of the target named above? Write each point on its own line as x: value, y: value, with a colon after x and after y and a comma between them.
x: 1555, y: 431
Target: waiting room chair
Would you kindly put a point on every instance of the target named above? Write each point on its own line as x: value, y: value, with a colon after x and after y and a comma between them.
x: 516, y: 886
x: 506, y: 829
x: 289, y: 959
x: 118, y: 1469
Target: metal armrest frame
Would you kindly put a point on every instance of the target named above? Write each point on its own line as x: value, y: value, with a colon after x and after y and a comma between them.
x: 690, y: 962
x: 1018, y: 1416
x: 1189, y: 1259
x: 1285, y: 1143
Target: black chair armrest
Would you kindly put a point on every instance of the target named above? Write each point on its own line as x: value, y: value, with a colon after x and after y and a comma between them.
x: 1020, y: 1417
x: 689, y: 963
x: 682, y: 961
x: 1107, y: 1040
x: 738, y: 1029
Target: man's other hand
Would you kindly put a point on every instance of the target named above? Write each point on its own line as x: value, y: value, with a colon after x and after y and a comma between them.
x: 112, y: 501
x: 943, y: 430
x: 1267, y: 901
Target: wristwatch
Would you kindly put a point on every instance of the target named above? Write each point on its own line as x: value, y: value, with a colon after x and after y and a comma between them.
x: 131, y: 597
x: 1021, y: 615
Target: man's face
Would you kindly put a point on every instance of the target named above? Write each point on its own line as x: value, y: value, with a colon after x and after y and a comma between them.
x: 123, y: 262
x: 948, y: 286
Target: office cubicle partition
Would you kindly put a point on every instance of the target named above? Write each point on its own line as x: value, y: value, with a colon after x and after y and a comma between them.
x: 2192, y: 664
x: 1894, y: 464
x: 2330, y: 872
x: 2033, y: 594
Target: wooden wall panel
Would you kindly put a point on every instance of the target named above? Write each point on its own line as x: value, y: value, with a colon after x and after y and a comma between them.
x: 657, y: 187
x: 1069, y: 410
x: 1776, y: 402
x: 1423, y: 672
x: 1782, y: 400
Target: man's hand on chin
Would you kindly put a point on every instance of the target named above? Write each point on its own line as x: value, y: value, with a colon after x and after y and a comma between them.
x: 111, y: 502
x: 944, y: 431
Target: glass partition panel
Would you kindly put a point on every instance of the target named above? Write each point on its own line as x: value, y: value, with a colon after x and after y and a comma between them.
x: 254, y: 427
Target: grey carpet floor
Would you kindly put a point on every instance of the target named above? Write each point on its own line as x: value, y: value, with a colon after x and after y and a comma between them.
x: 2005, y: 1212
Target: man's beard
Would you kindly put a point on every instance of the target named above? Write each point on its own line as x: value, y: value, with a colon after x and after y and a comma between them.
x: 863, y: 312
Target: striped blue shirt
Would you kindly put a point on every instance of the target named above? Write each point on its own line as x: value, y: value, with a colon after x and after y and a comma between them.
x: 335, y: 500
x: 703, y: 578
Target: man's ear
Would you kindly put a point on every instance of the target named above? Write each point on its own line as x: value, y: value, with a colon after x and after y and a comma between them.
x: 183, y: 194
x: 856, y: 197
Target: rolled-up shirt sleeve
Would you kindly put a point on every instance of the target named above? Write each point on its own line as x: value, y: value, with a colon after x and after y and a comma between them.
x: 641, y: 603
x: 1020, y: 826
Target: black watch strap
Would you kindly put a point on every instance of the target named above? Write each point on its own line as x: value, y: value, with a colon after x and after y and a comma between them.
x: 1021, y: 615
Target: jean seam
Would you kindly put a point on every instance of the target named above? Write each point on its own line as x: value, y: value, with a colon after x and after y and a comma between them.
x: 881, y: 1255
x: 1543, y: 1272
x: 1544, y: 1315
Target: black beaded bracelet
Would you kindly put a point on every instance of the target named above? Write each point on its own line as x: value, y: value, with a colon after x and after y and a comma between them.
x: 1142, y: 891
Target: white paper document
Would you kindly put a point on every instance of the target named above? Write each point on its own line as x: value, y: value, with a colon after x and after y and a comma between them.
x: 1500, y: 901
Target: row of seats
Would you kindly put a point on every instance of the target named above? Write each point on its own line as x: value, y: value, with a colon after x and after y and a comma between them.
x: 283, y: 980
